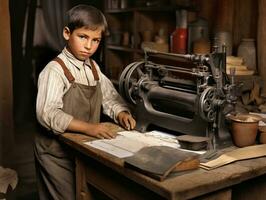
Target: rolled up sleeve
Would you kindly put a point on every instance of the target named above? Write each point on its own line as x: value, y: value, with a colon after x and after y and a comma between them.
x: 49, y: 104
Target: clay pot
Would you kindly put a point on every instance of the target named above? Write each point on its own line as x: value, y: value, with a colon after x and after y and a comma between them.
x: 263, y: 137
x: 244, y: 129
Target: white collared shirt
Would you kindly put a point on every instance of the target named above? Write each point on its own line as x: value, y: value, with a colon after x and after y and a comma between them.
x: 53, y: 84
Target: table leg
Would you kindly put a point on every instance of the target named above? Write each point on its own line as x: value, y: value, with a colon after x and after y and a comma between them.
x: 82, y: 191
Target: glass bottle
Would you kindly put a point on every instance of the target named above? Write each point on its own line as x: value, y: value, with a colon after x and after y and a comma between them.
x: 178, y: 39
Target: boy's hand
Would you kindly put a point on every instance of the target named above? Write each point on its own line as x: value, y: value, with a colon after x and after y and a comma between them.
x: 100, y: 131
x: 126, y: 120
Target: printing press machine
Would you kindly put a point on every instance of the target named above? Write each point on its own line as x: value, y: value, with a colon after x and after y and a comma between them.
x: 185, y: 93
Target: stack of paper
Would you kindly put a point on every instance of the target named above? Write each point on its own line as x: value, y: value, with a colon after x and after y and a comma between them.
x: 129, y: 142
x: 238, y: 64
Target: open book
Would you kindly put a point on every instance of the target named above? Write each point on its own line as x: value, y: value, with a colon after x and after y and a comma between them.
x: 159, y: 161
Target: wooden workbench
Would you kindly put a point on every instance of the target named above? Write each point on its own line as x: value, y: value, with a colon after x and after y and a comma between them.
x: 99, y: 171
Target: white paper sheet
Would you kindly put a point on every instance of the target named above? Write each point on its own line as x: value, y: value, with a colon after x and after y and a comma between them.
x: 129, y: 142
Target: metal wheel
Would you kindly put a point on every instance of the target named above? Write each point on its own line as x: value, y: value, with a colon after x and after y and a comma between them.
x: 129, y: 79
x: 206, y: 104
x: 122, y: 79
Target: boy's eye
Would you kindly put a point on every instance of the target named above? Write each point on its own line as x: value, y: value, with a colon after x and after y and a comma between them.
x: 82, y: 36
x: 96, y: 40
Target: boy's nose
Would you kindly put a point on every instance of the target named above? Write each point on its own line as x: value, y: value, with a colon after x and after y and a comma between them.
x: 88, y: 44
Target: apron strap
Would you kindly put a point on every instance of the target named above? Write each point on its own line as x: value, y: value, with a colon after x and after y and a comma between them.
x: 94, y: 71
x: 67, y: 73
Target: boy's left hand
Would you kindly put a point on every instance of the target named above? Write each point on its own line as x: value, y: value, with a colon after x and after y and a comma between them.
x: 126, y: 120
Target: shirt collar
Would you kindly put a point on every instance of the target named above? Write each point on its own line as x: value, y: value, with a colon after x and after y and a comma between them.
x: 77, y: 63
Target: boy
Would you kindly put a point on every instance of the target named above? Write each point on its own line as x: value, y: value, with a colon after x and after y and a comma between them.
x: 71, y: 91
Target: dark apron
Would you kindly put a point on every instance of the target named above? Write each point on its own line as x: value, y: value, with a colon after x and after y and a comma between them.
x: 54, y: 162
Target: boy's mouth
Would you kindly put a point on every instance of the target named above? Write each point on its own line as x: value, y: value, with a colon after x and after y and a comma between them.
x: 85, y: 53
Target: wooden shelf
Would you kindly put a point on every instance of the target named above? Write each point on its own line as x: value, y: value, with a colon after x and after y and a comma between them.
x: 134, y: 21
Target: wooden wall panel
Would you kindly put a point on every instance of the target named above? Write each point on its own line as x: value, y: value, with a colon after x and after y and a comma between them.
x: 262, y: 42
x: 224, y: 16
x: 6, y: 94
x: 207, y: 9
x: 245, y: 20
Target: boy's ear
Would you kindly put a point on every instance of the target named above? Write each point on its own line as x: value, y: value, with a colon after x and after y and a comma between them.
x: 66, y: 33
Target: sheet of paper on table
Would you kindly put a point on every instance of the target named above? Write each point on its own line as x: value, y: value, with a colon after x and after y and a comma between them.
x: 129, y: 142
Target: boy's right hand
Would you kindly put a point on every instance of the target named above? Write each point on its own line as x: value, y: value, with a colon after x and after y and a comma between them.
x: 100, y: 131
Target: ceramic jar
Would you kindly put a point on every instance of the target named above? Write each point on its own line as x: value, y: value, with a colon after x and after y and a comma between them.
x: 201, y: 45
x: 197, y: 29
x: 247, y: 51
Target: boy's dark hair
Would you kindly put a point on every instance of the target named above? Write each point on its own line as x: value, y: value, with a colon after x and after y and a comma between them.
x: 85, y: 16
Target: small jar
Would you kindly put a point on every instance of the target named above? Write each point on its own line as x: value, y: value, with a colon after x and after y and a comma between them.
x: 247, y: 51
x: 201, y: 45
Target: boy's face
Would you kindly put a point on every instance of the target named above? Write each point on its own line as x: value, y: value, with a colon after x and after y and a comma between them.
x: 82, y: 42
